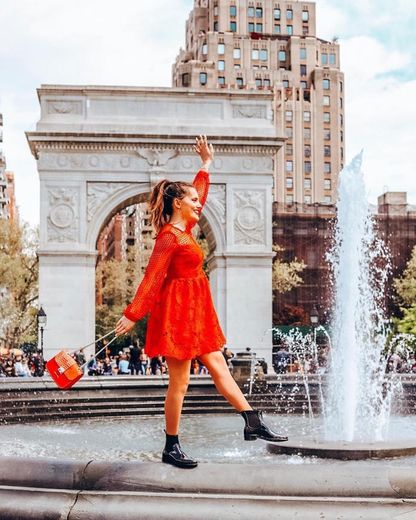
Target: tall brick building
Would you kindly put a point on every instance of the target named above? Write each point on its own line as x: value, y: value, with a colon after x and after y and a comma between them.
x: 270, y: 45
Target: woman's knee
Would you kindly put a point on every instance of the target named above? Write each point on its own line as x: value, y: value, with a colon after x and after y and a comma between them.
x: 179, y: 386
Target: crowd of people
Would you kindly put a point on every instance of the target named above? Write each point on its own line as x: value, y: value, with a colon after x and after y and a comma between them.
x: 129, y: 361
x: 15, y: 363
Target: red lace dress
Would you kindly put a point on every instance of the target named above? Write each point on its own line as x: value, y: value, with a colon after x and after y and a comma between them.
x: 183, y: 323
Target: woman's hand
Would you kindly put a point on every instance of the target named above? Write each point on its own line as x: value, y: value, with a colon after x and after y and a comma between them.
x: 124, y: 325
x: 205, y: 150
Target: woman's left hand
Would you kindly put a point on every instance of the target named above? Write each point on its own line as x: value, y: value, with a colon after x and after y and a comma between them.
x: 124, y: 325
x: 204, y: 149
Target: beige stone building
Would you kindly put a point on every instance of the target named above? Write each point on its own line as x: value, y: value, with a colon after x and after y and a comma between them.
x: 8, y: 209
x: 272, y: 46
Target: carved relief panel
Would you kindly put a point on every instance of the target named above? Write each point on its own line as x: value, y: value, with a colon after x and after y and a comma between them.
x: 63, y: 214
x: 249, y: 216
x: 99, y: 192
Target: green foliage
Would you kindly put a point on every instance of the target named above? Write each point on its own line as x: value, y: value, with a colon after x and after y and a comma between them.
x: 406, y: 289
x: 285, y: 275
x: 406, y: 285
x: 18, y: 284
x: 407, y: 324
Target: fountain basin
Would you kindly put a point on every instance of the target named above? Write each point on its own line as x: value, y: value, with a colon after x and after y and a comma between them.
x: 344, y: 450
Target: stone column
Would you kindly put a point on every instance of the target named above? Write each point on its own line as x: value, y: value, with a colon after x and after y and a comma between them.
x: 67, y: 294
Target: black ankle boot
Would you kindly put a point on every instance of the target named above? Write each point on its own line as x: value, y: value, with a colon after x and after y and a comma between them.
x: 173, y: 454
x: 255, y: 428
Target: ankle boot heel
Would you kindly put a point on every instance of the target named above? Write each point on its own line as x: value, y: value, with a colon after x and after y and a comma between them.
x: 249, y: 436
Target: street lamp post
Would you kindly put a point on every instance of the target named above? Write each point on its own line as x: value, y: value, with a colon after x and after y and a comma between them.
x: 41, y: 325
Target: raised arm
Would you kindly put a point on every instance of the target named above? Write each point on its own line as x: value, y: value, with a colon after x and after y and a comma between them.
x: 201, y: 182
x: 153, y: 279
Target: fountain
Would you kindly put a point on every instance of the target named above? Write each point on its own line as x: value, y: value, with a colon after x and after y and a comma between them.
x: 358, y: 396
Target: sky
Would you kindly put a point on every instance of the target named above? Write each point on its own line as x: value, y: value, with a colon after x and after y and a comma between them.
x: 135, y: 42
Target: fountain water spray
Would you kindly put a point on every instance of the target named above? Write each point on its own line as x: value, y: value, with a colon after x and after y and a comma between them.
x: 358, y: 400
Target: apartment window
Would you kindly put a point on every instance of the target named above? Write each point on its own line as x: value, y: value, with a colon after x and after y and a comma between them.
x: 263, y: 54
x: 202, y: 78
x: 289, y: 149
x: 327, y: 117
x: 204, y: 48
x: 221, y: 65
x: 307, y: 150
x: 215, y: 26
x: 259, y: 27
x: 282, y: 55
x: 307, y: 184
x: 255, y: 54
x: 341, y: 119
x: 289, y: 182
x: 326, y: 84
x: 327, y: 199
x: 324, y: 58
x: 233, y: 27
x: 288, y: 116
x: 215, y: 10
x: 307, y: 199
x: 302, y: 53
x: 233, y: 10
x: 186, y: 79
x: 303, y: 84
x: 289, y: 14
x: 307, y: 133
x: 237, y: 53
x: 303, y: 70
x: 327, y: 184
x: 305, y: 30
x: 326, y: 101
x: 289, y: 29
x: 286, y: 83
x: 327, y: 150
x: 307, y: 116
x: 289, y: 166
x: 307, y: 166
x: 340, y: 102
x: 266, y: 83
x: 251, y: 27
x: 305, y: 16
x: 341, y: 136
x: 237, y: 66
x: 340, y: 86
x: 264, y: 67
x: 327, y: 167
x: 276, y: 28
x: 250, y: 12
x: 276, y: 14
x: 259, y: 83
x: 327, y: 134
x: 342, y: 153
x: 259, y: 12
x: 289, y: 199
x: 221, y: 80
x: 289, y: 132
x: 240, y: 82
x: 221, y: 48
x: 332, y: 59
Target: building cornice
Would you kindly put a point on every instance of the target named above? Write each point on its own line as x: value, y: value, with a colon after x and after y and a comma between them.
x: 76, y: 142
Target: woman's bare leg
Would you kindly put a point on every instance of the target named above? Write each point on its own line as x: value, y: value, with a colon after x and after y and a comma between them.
x: 179, y: 372
x: 224, y: 381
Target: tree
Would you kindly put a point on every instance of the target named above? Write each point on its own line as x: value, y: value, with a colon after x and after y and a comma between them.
x: 407, y: 324
x: 406, y: 285
x: 18, y: 284
x: 285, y: 275
x: 406, y: 290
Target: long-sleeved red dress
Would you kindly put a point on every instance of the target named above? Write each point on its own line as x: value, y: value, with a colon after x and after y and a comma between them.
x: 183, y: 323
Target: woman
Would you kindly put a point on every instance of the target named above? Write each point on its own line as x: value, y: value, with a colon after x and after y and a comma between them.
x: 183, y: 323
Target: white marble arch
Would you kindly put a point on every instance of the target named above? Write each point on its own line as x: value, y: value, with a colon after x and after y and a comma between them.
x: 98, y: 149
